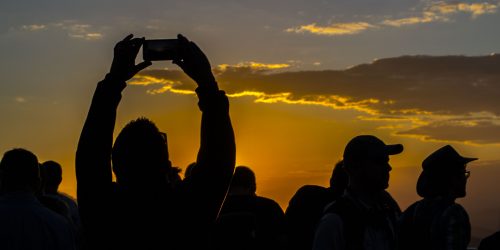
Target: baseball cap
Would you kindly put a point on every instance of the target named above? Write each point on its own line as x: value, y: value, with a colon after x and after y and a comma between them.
x: 368, y: 146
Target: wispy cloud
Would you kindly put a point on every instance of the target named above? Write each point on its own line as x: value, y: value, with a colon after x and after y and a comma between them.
x: 20, y: 99
x: 433, y: 12
x: 34, y: 27
x: 414, y: 96
x: 74, y: 29
x: 427, y: 17
x: 476, y: 9
x: 336, y: 29
x: 254, y: 66
x: 442, y: 12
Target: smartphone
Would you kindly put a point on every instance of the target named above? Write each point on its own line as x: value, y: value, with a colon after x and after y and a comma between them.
x: 160, y: 49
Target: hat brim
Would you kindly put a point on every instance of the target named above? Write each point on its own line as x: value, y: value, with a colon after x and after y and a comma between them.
x: 394, y: 149
x: 467, y: 160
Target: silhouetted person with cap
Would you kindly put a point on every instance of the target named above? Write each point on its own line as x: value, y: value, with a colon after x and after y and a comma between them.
x: 24, y: 222
x: 365, y: 216
x: 248, y: 221
x: 306, y: 208
x: 142, y: 210
x: 51, y: 173
x: 436, y: 221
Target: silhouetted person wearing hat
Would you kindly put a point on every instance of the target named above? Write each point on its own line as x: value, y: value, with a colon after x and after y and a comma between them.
x: 436, y: 221
x: 142, y: 210
x: 24, y: 222
x: 365, y: 216
x: 306, y: 208
x: 248, y: 221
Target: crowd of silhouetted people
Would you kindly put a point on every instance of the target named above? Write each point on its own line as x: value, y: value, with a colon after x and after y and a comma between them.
x: 215, y: 205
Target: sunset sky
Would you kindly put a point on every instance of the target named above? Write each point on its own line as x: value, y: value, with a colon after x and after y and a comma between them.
x: 303, y: 77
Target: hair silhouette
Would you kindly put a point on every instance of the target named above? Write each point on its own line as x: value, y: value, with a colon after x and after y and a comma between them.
x: 19, y: 171
x: 140, y: 154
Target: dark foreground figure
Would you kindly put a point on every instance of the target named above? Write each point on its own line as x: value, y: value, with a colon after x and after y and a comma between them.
x: 24, y: 222
x: 491, y: 242
x: 248, y: 221
x: 306, y: 208
x: 365, y: 216
x: 436, y: 221
x: 142, y: 210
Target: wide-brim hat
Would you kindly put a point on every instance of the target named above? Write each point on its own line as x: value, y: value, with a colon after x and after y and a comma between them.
x: 445, y: 159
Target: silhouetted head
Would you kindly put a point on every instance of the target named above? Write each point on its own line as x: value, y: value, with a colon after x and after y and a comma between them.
x: 140, y: 155
x: 175, y: 175
x: 19, y: 171
x: 444, y: 174
x: 243, y: 181
x: 366, y: 161
x: 51, y: 173
x: 189, y: 170
x: 339, y: 179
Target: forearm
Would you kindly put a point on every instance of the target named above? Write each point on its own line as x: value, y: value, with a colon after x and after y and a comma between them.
x: 93, y: 157
x: 216, y: 157
x: 217, y: 144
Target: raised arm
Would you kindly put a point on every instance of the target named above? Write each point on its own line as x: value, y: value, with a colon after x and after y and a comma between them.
x: 216, y: 157
x: 93, y: 156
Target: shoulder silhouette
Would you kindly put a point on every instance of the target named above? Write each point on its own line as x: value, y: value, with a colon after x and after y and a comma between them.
x: 306, y: 207
x: 248, y: 221
x: 365, y: 209
x: 24, y: 222
x: 436, y: 221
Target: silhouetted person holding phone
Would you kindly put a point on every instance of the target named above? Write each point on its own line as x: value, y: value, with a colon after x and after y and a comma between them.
x: 436, y: 221
x: 306, y: 207
x: 142, y: 210
x: 24, y: 222
x: 248, y: 221
x: 365, y: 216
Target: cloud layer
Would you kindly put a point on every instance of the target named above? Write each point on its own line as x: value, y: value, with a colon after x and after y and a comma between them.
x: 449, y: 98
x: 439, y: 11
x: 72, y: 28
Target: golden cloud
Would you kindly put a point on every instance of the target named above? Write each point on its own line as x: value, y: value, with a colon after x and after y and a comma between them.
x: 336, y: 29
x: 442, y: 11
x: 427, y: 17
x: 164, y: 85
x: 404, y: 93
x: 254, y: 66
x: 476, y: 9
x: 435, y: 12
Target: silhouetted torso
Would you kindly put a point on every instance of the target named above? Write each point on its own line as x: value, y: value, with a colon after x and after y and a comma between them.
x: 434, y: 223
x: 26, y: 224
x: 304, y: 211
x: 349, y: 223
x: 491, y: 242
x: 249, y: 222
x: 114, y: 217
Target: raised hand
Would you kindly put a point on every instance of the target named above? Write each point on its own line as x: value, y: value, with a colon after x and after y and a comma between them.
x: 195, y: 64
x: 123, y: 67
